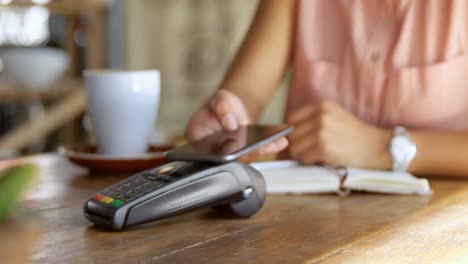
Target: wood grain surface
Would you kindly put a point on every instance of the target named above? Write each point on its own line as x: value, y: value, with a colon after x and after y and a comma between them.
x: 360, y: 228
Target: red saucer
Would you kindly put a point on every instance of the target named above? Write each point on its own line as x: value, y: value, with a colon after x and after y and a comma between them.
x: 86, y: 156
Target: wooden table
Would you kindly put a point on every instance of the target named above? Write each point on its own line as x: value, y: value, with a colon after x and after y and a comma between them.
x: 361, y: 228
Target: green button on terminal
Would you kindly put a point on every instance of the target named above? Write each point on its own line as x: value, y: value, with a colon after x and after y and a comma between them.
x: 117, y: 203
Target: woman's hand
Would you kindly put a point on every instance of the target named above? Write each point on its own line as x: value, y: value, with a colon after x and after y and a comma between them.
x: 226, y: 111
x: 326, y: 133
x: 223, y: 111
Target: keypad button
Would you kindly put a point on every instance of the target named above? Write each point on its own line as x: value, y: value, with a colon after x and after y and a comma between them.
x: 117, y: 203
x: 138, y: 193
x: 107, y: 199
x: 138, y: 179
x: 99, y: 196
x: 135, y: 185
x: 150, y: 176
x: 164, y: 178
x: 147, y: 187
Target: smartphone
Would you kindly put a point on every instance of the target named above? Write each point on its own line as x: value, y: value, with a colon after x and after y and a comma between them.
x: 225, y: 146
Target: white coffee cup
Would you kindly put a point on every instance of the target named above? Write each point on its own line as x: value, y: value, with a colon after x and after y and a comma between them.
x: 122, y: 105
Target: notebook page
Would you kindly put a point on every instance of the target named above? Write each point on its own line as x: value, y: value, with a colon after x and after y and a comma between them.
x: 290, y: 177
x: 386, y: 182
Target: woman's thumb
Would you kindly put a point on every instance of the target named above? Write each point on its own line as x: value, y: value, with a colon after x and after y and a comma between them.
x: 224, y: 111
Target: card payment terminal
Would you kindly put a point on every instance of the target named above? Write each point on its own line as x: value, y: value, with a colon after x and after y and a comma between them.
x: 174, y: 188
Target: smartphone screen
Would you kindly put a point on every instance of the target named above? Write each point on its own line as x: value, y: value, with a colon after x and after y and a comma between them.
x: 226, y: 146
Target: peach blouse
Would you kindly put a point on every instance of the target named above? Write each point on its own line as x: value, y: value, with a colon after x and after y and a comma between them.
x: 390, y: 62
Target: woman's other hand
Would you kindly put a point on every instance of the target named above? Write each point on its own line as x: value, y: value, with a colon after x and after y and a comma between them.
x: 326, y: 133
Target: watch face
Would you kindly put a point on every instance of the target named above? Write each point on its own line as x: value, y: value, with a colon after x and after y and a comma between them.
x: 403, y: 147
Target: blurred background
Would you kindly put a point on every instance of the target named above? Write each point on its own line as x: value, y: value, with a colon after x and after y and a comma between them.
x: 46, y: 44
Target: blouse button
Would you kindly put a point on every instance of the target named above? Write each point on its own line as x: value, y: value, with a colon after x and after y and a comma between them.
x: 375, y: 56
x: 387, y: 21
x: 369, y: 103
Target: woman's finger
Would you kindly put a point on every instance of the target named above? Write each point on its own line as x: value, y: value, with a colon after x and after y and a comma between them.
x: 202, y: 124
x: 229, y: 109
x: 303, y: 129
x: 224, y: 112
x: 312, y: 156
x: 251, y: 157
x: 301, y: 114
x: 300, y: 146
x: 273, y: 147
x: 230, y: 145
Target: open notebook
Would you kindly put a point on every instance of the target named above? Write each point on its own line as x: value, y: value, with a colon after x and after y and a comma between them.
x: 292, y: 177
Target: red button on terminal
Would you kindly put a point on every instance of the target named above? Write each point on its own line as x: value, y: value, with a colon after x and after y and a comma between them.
x: 99, y: 196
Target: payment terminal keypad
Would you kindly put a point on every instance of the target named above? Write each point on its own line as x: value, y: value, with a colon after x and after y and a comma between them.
x: 132, y: 188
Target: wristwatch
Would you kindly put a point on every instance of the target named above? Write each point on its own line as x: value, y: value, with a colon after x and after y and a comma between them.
x: 402, y: 149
